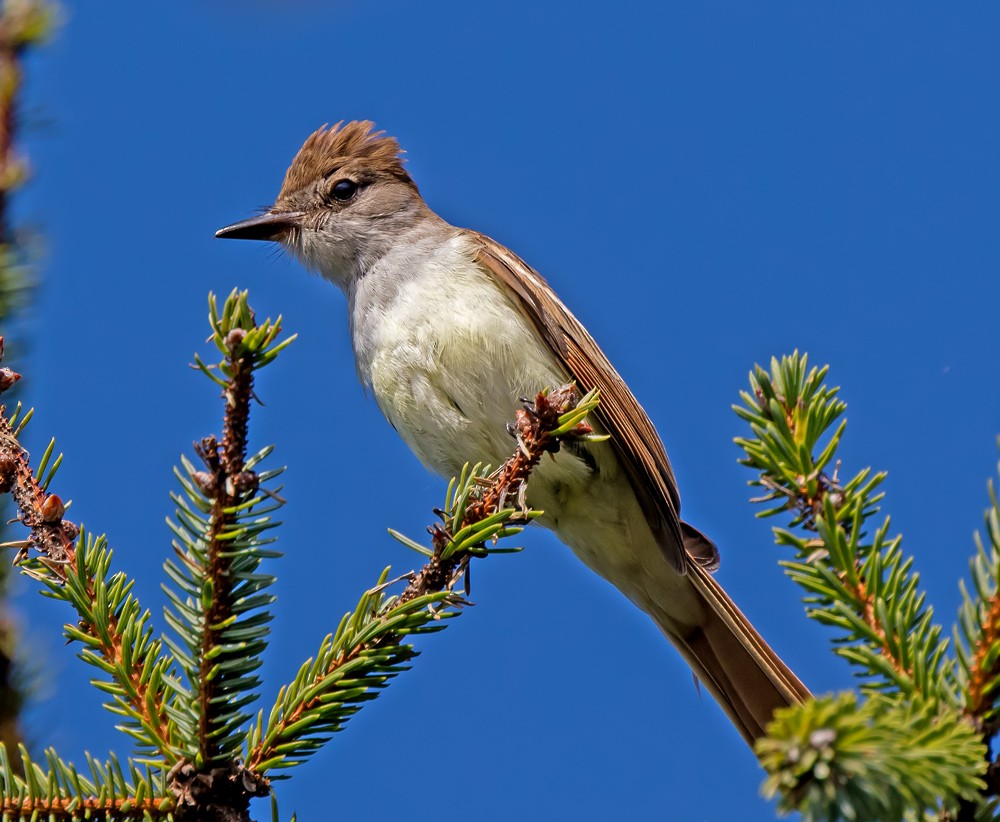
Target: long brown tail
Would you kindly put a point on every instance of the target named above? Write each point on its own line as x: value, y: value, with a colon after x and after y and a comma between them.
x: 733, y: 661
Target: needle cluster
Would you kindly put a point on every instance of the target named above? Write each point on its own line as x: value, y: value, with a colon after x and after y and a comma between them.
x: 182, y: 697
x: 917, y: 743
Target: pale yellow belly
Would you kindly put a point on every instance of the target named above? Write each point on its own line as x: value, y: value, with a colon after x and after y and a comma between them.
x: 453, y: 357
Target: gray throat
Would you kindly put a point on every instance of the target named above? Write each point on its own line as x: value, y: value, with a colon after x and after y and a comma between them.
x: 373, y: 291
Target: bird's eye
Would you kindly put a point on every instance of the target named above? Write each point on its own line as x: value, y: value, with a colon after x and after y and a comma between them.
x: 344, y: 190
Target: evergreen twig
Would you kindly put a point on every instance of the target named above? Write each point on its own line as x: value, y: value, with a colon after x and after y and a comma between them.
x: 539, y: 430
x: 918, y: 743
x: 367, y: 650
x: 977, y: 635
x: 858, y: 583
x: 181, y: 698
x: 24, y: 24
x: 219, y: 612
x: 837, y: 758
x: 111, y: 627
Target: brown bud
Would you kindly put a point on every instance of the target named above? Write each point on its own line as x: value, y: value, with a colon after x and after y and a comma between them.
x: 8, y: 469
x: 8, y: 378
x: 52, y: 509
x: 234, y: 339
x: 247, y: 482
x: 244, y: 483
x: 70, y: 529
x: 205, y: 483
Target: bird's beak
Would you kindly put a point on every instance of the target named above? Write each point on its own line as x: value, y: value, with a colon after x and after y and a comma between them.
x: 269, y: 226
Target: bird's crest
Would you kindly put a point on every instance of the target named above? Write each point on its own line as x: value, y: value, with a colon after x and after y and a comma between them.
x: 355, y: 149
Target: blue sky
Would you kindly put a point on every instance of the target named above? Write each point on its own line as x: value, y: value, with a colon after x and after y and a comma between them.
x: 705, y: 184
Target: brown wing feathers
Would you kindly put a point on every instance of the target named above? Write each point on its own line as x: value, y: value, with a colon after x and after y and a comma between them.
x: 726, y: 652
x: 619, y: 414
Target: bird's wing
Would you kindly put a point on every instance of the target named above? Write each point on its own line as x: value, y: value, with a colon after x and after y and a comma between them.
x: 633, y: 436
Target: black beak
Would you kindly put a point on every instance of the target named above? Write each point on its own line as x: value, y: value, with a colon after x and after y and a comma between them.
x: 269, y: 226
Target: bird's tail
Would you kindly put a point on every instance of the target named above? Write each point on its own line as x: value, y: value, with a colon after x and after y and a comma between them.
x: 733, y: 661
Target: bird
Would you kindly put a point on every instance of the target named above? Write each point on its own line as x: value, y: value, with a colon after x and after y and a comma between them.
x: 449, y: 329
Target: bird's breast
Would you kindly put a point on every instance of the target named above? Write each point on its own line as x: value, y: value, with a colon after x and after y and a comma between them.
x: 447, y: 354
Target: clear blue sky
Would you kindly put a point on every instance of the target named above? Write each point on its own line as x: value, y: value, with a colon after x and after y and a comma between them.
x: 706, y: 184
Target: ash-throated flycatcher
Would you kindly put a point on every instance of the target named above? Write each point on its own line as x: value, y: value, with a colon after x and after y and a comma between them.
x: 449, y: 330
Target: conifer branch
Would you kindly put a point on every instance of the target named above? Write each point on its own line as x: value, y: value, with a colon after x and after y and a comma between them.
x: 862, y: 586
x: 367, y: 650
x: 41, y: 513
x: 228, y: 486
x: 24, y: 25
x: 189, y: 732
x: 538, y: 428
x: 978, y: 634
x: 219, y: 611
x: 58, y: 791
x: 118, y: 640
x: 920, y: 742
x: 837, y: 758
x: 112, y: 626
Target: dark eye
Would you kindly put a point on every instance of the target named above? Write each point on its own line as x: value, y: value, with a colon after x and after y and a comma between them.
x: 344, y: 190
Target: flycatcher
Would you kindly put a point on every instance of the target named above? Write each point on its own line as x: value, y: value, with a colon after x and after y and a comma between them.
x: 449, y: 329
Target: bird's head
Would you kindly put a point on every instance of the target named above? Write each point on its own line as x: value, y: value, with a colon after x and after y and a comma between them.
x: 345, y: 200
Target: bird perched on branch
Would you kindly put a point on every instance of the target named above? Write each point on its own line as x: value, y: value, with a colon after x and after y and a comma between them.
x: 449, y: 329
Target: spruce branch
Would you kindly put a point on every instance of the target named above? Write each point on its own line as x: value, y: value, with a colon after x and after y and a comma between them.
x: 181, y: 698
x: 978, y: 632
x: 119, y: 641
x: 539, y: 428
x: 837, y: 758
x: 859, y: 583
x: 158, y: 711
x: 222, y: 517
x: 41, y: 513
x: 58, y: 791
x: 920, y: 743
x: 368, y: 649
x: 24, y: 25
x: 113, y: 628
x: 350, y: 668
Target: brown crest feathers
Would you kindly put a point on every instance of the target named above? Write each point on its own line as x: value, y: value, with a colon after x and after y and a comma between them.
x: 355, y: 147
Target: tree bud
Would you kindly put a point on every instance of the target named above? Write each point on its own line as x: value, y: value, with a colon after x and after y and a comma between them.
x: 8, y: 470
x: 246, y: 483
x: 52, y: 508
x: 234, y: 339
x: 8, y: 378
x: 205, y: 483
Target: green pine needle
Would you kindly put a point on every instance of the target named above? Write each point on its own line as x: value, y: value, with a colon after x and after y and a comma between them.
x: 837, y: 758
x: 857, y: 581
